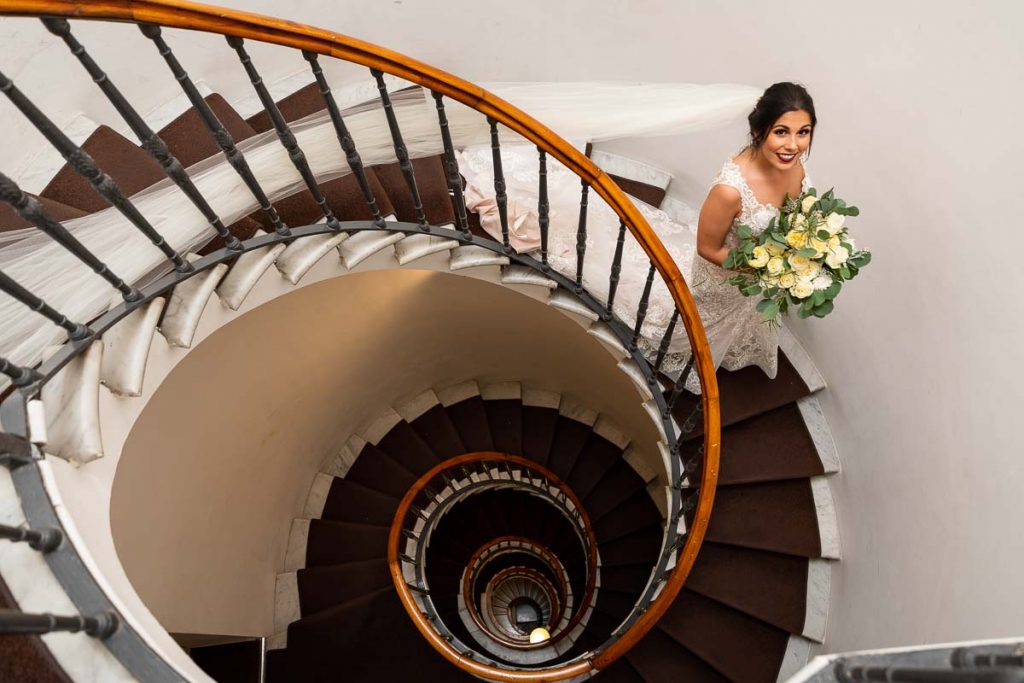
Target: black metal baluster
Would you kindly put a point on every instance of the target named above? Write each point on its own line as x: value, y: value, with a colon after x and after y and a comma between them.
x: 581, y: 236
x: 641, y: 311
x: 99, y: 626
x: 499, y: 183
x: 76, y: 331
x: 151, y: 142
x: 31, y: 210
x: 284, y: 133
x: 216, y: 128
x: 679, y: 386
x: 665, y: 341
x: 543, y: 207
x: 452, y: 168
x: 401, y: 153
x: 348, y: 146
x: 20, y: 377
x: 86, y: 167
x: 613, y: 281
x: 693, y: 418
x: 43, y: 540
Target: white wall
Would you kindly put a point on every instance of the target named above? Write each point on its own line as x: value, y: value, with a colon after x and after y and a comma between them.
x: 918, y: 105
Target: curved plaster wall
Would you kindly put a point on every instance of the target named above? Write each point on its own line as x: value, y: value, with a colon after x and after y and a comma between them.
x: 220, y: 460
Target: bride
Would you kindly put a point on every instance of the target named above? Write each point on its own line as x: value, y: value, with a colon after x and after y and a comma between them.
x: 747, y: 191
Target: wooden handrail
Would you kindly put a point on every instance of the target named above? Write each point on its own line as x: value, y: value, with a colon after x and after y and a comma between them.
x: 188, y: 15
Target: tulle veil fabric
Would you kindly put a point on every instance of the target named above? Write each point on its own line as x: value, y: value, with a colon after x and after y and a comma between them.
x: 577, y: 111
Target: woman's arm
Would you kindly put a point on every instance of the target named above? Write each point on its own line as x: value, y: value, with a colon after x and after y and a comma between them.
x: 716, y: 216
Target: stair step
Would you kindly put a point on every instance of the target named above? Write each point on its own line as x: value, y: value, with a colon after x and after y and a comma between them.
x: 321, y: 588
x: 363, y: 245
x: 303, y: 102
x: 246, y: 272
x: 71, y: 405
x: 350, y: 501
x: 187, y: 303
x: 190, y: 141
x: 660, y: 658
x: 526, y: 276
x: 539, y: 425
x: 333, y: 542
x: 570, y: 437
x: 621, y: 672
x: 616, y: 487
x: 596, y: 459
x: 376, y: 470
x: 10, y: 220
x: 637, y: 513
x: 738, y: 577
x: 566, y: 301
x: 126, y: 349
x: 739, y: 646
x: 432, y: 184
x: 129, y: 166
x: 470, y: 419
x: 419, y: 246
x: 473, y: 256
x: 505, y: 422
x: 777, y: 516
x: 406, y: 447
x: 627, y: 578
x: 302, y: 254
x: 435, y: 427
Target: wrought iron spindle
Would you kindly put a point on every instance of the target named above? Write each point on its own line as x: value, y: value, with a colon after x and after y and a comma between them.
x: 76, y: 331
x: 641, y: 311
x: 581, y: 236
x: 693, y: 418
x: 452, y: 168
x: 31, y: 210
x: 401, y: 153
x: 151, y: 142
x: 43, y: 540
x: 543, y: 207
x: 348, y: 146
x: 613, y: 280
x: 417, y: 589
x: 284, y: 133
x: 99, y: 626
x: 216, y: 128
x: 499, y: 183
x: 677, y: 388
x: 86, y: 167
x: 20, y: 377
x: 665, y: 341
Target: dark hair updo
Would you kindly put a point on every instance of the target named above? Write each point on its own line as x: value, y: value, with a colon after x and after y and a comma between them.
x: 776, y: 101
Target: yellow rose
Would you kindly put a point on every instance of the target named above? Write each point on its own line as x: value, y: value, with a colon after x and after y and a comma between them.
x: 834, y: 223
x: 776, y: 265
x: 787, y: 280
x: 798, y: 262
x: 802, y: 289
x: 759, y: 258
x: 774, y: 249
x: 819, y: 246
x: 807, y: 203
x: 834, y: 241
x: 810, y: 270
x: 796, y: 239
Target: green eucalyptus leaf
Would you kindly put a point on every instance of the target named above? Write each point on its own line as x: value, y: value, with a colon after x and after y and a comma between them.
x: 824, y: 309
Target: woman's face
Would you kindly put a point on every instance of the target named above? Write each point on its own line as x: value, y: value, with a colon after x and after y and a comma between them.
x: 788, y: 138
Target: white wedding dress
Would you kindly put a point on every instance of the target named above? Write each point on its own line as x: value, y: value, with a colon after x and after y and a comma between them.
x: 736, y: 333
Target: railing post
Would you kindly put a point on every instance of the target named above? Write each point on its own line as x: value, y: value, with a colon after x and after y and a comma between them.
x: 581, y: 236
x: 452, y: 168
x: 613, y: 280
x: 43, y: 540
x: 499, y: 184
x: 401, y: 153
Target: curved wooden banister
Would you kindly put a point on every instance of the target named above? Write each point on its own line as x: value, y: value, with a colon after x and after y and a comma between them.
x: 187, y: 15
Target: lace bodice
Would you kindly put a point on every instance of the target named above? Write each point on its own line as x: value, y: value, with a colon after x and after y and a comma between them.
x: 752, y: 212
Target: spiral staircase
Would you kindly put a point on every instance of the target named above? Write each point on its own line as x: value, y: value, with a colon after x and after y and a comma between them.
x: 450, y: 526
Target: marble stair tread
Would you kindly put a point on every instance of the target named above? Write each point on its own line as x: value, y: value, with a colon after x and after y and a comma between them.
x: 418, y: 246
x: 186, y: 305
x: 604, y: 334
x: 246, y: 272
x: 126, y: 349
x: 524, y: 275
x: 298, y: 257
x: 629, y: 367
x: 472, y: 256
x: 71, y: 405
x: 566, y: 301
x: 362, y: 245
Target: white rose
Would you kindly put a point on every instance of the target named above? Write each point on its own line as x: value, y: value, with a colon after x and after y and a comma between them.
x: 822, y: 281
x: 776, y: 265
x: 787, y: 280
x: 853, y: 245
x: 802, y: 289
x: 774, y: 249
x: 819, y: 246
x: 798, y: 262
x: 809, y: 271
x: 759, y: 258
x: 833, y: 241
x: 837, y: 257
x: 807, y: 203
x: 834, y: 223
x: 799, y: 221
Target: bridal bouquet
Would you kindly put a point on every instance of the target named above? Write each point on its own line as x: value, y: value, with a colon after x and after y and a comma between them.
x: 800, y: 260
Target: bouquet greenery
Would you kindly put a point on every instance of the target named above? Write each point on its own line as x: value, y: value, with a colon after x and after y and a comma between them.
x: 800, y: 260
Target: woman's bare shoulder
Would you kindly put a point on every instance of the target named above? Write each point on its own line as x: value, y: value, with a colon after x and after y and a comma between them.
x: 722, y: 196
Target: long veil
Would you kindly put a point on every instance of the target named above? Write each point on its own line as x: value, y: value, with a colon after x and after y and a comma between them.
x: 578, y: 112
